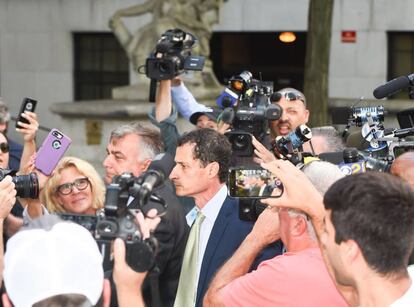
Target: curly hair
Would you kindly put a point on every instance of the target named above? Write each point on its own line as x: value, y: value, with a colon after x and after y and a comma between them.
x: 209, y: 146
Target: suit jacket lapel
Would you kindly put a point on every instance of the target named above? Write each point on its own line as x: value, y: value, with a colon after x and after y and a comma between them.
x: 217, y: 232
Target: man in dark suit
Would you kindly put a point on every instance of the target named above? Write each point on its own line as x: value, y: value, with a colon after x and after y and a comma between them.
x: 131, y: 149
x: 202, y: 161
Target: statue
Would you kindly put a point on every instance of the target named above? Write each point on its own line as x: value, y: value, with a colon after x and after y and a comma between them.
x: 194, y: 16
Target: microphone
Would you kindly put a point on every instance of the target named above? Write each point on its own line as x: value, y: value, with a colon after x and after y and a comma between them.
x: 158, y: 171
x: 227, y: 116
x: 394, y: 86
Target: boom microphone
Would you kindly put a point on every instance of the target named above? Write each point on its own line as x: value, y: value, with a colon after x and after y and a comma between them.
x: 158, y: 171
x: 394, y: 86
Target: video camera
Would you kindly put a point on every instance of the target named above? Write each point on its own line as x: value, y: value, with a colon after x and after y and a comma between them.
x: 26, y: 186
x: 359, y: 162
x: 383, y: 144
x: 117, y: 220
x: 248, y: 109
x: 172, y: 56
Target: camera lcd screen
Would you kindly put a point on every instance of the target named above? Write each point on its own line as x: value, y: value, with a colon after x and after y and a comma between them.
x: 254, y: 183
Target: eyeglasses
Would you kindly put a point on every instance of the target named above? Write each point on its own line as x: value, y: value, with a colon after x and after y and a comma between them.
x: 67, y: 188
x: 4, y: 147
x: 289, y: 96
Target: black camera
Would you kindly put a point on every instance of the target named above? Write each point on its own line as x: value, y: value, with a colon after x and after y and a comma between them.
x: 174, y: 48
x: 27, y: 186
x: 118, y: 221
x: 249, y: 112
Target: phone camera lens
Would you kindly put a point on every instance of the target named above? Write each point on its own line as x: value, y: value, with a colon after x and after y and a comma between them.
x: 56, y: 144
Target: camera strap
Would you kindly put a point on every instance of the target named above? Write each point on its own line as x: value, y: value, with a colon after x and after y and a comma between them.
x: 152, y: 90
x: 153, y: 276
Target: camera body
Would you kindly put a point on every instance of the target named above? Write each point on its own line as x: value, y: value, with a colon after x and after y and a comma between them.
x: 358, y: 162
x: 288, y: 146
x: 27, y: 186
x: 249, y: 112
x: 174, y: 48
x: 118, y: 221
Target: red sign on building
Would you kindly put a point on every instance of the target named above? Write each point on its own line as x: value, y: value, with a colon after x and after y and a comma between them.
x: 348, y: 36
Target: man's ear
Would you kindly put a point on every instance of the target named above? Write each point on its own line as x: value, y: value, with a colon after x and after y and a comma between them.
x: 106, y: 293
x: 213, y: 169
x: 300, y: 226
x: 6, y: 301
x: 351, y: 251
x: 307, y: 115
x: 144, y: 165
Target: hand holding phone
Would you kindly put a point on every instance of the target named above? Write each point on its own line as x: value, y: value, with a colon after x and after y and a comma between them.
x: 28, y: 104
x: 253, y: 183
x: 52, y: 150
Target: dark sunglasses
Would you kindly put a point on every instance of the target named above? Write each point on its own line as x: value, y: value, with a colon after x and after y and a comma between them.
x: 4, y: 147
x: 67, y: 188
x: 289, y: 96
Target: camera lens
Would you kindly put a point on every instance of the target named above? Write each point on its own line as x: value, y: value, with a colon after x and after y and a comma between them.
x: 164, y: 67
x: 27, y: 186
x: 241, y: 142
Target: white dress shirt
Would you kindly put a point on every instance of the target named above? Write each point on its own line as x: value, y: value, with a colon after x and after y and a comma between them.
x: 210, y: 211
x: 185, y: 102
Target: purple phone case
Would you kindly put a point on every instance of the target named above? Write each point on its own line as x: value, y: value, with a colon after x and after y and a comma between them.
x: 52, y: 150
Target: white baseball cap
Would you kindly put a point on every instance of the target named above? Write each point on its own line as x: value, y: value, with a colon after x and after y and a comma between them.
x: 51, y: 257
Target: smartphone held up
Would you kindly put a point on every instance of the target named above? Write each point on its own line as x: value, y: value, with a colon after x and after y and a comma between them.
x: 28, y: 104
x: 51, y: 151
x: 253, y: 183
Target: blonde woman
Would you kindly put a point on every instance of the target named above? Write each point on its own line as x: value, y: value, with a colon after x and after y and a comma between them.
x: 74, y: 187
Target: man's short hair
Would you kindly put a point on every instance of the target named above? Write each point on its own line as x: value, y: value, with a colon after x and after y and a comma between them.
x: 377, y: 211
x: 49, y: 258
x: 150, y: 138
x: 209, y: 146
x: 298, y: 93
x: 333, y: 140
x: 322, y: 174
x: 4, y: 113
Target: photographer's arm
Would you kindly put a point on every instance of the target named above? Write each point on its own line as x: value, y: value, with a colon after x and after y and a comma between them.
x: 128, y: 282
x: 34, y: 208
x: 300, y: 194
x: 164, y: 116
x: 7, y: 200
x: 184, y: 101
x: 163, y: 103
x: 29, y: 134
x: 265, y: 232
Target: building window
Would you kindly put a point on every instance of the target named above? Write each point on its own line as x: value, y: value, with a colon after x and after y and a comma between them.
x: 100, y: 65
x: 400, y: 57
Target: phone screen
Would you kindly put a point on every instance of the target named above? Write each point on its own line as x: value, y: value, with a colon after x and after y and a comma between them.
x: 253, y: 183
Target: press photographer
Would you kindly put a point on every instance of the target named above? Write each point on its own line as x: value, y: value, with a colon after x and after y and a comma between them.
x: 248, y: 109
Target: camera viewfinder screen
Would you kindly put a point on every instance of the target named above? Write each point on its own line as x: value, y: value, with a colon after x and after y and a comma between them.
x: 254, y: 183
